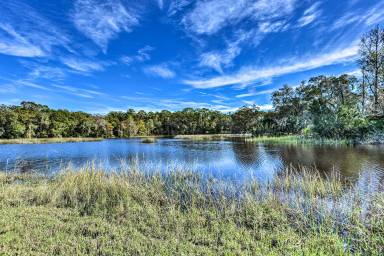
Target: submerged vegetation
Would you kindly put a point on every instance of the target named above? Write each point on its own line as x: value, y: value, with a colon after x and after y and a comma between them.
x: 129, y: 213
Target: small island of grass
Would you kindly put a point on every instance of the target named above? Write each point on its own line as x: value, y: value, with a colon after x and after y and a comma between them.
x: 149, y: 140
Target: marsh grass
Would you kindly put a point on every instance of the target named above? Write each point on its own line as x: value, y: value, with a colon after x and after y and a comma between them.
x: 47, y: 140
x: 149, y: 140
x: 297, y: 139
x: 129, y: 212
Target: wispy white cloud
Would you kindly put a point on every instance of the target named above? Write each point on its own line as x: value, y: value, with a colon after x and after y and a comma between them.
x: 177, y: 6
x: 82, y: 65
x: 242, y: 86
x: 25, y: 33
x: 103, y: 20
x: 47, y: 72
x: 160, y: 3
x: 252, y: 74
x: 31, y: 84
x: 174, y: 104
x: 310, y: 15
x: 265, y: 107
x: 356, y: 72
x: 178, y: 104
x: 208, y: 17
x: 255, y: 93
x: 17, y: 85
x: 273, y: 26
x: 161, y: 70
x: 224, y: 58
x: 143, y: 54
x: 216, y: 60
x: 79, y: 92
x: 372, y: 16
x: 12, y: 43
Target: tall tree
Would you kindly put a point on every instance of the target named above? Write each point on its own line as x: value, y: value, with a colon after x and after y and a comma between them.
x: 372, y: 63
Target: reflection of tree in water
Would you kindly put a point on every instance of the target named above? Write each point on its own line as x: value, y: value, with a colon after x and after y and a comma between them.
x: 349, y: 161
x: 199, y: 151
x: 246, y: 154
x: 256, y: 155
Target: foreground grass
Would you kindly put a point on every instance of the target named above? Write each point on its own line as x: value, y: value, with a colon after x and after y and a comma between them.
x: 46, y: 140
x: 297, y: 139
x: 129, y: 213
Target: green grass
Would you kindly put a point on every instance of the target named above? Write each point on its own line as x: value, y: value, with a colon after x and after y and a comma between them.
x: 297, y: 139
x: 46, y: 140
x: 128, y: 213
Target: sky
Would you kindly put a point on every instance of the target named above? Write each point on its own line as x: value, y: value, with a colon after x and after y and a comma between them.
x: 112, y: 55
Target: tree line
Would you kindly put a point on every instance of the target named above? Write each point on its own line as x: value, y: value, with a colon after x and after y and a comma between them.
x: 30, y: 120
x: 337, y: 107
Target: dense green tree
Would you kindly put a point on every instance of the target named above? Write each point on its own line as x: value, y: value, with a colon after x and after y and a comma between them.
x: 246, y: 119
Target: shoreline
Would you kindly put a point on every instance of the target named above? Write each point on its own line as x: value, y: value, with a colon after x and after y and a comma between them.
x: 283, y: 139
x: 47, y: 140
x: 82, y: 139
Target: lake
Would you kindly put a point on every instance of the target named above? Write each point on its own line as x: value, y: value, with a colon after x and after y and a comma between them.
x: 227, y: 159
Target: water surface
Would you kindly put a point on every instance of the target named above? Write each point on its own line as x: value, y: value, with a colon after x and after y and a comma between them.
x: 230, y: 159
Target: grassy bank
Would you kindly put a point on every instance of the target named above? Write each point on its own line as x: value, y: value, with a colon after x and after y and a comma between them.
x: 46, y: 140
x: 128, y: 213
x: 297, y: 139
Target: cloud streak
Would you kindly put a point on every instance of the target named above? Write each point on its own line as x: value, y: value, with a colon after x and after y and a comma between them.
x: 25, y: 33
x: 18, y: 84
x: 252, y: 74
x: 81, y: 65
x: 372, y: 16
x: 209, y: 17
x: 310, y: 15
x: 251, y: 94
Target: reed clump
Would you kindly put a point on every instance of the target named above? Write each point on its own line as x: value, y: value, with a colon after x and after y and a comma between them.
x: 92, y: 212
x: 297, y: 139
x: 149, y: 140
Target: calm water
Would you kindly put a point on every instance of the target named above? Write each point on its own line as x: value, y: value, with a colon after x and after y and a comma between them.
x: 235, y: 160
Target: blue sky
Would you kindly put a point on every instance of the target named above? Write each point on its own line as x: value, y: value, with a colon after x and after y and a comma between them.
x: 104, y: 55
